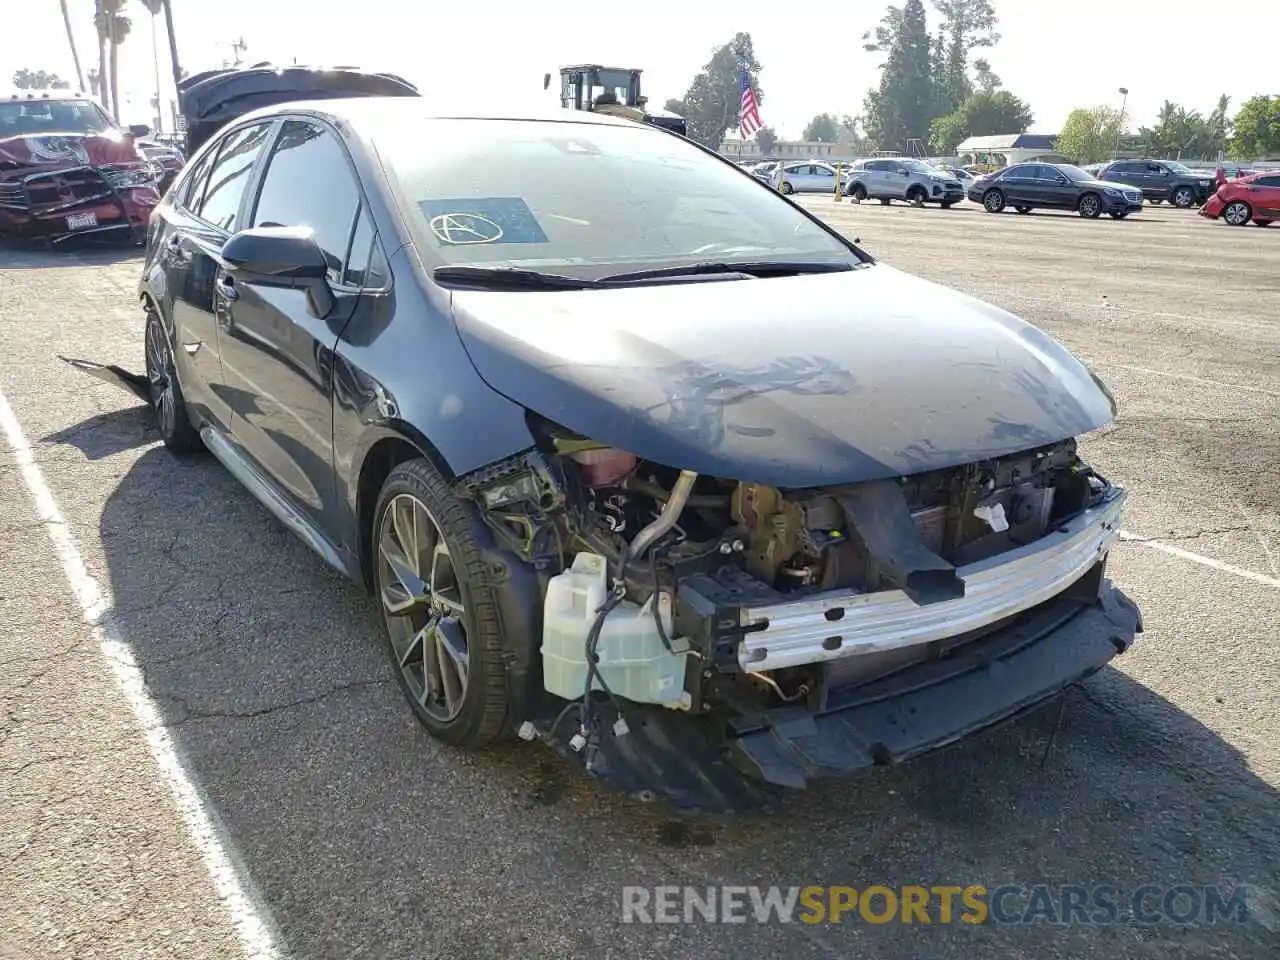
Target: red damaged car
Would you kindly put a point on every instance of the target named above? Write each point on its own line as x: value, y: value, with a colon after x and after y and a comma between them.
x: 1255, y: 196
x: 67, y: 169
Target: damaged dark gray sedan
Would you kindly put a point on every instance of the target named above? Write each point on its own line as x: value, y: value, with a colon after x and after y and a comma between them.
x: 640, y: 459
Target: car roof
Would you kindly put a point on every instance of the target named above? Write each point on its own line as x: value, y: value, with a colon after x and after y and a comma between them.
x: 7, y: 96
x: 389, y: 109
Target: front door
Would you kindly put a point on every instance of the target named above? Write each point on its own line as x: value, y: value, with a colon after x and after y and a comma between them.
x: 204, y: 216
x: 275, y: 349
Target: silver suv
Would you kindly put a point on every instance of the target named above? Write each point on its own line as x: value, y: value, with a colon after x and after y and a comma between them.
x: 902, y: 178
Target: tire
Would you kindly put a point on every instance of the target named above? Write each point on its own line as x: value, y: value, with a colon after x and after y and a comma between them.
x: 1263, y: 223
x: 454, y: 608
x: 1022, y: 210
x: 1182, y: 197
x: 787, y: 188
x: 1120, y: 215
x: 859, y: 193
x: 168, y: 405
x: 917, y: 196
x: 993, y: 201
x: 1237, y: 213
x: 1090, y: 206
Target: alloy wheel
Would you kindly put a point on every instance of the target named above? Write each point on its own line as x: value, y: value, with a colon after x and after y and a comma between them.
x: 160, y: 375
x: 1089, y: 206
x: 421, y: 597
x: 994, y: 201
x: 1236, y: 214
x: 1182, y: 197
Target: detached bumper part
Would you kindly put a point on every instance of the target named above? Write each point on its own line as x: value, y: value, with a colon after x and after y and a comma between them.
x: 930, y: 705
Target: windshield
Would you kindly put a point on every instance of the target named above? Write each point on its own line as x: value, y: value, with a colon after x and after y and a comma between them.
x: 1177, y: 167
x: 919, y: 166
x: 585, y: 199
x: 44, y: 117
x: 1074, y: 173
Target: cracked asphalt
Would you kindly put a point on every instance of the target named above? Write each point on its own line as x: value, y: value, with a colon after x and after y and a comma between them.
x: 360, y: 836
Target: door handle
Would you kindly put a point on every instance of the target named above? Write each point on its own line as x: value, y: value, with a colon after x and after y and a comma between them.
x: 226, y: 289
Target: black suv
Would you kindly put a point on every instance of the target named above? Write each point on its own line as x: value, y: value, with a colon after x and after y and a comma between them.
x: 1161, y: 180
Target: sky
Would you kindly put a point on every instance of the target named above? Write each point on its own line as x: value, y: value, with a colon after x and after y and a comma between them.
x: 494, y: 52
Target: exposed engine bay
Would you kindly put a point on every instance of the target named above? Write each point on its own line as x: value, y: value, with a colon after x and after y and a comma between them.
x: 694, y: 593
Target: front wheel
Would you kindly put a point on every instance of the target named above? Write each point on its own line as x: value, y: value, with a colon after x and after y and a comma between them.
x: 445, y: 639
x: 787, y: 188
x: 1237, y: 213
x: 1090, y: 207
x: 1263, y: 223
x: 1183, y: 198
x: 993, y: 201
x: 167, y: 403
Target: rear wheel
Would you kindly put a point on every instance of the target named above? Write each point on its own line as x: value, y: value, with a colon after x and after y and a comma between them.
x: 993, y: 201
x: 1090, y: 206
x: 1183, y: 197
x: 167, y: 403
x: 443, y: 631
x: 1237, y: 213
x: 859, y: 192
x: 786, y: 187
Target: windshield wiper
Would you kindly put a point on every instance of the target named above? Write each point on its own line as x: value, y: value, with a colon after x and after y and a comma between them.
x: 750, y: 268
x: 508, y: 278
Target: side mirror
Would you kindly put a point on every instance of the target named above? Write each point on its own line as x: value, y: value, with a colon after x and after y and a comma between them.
x: 546, y: 81
x: 1063, y: 181
x: 139, y: 129
x: 282, y: 257
x: 903, y: 171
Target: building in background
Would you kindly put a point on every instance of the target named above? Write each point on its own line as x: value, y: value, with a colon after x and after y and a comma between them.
x: 1004, y: 149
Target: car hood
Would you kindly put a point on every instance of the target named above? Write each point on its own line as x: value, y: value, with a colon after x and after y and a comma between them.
x: 29, y: 153
x: 1105, y: 184
x: 793, y: 382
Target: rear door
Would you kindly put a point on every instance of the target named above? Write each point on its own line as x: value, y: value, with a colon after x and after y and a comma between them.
x: 206, y: 214
x: 1156, y: 181
x: 1264, y: 197
x: 276, y: 353
x: 1018, y: 186
x: 824, y: 178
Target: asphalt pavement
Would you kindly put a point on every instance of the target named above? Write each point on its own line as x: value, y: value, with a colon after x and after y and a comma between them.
x: 203, y: 752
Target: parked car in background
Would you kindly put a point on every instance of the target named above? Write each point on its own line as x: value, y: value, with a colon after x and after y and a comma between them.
x: 810, y: 176
x: 67, y: 169
x: 1255, y: 197
x: 1161, y: 180
x: 902, y: 178
x: 965, y: 177
x: 167, y: 158
x: 1054, y: 186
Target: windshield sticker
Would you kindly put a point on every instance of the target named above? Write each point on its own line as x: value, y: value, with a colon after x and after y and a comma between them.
x: 482, y: 220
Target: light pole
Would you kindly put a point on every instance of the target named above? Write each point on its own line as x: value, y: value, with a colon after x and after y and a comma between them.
x: 1124, y: 99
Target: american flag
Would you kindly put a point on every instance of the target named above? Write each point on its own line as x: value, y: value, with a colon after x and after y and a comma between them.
x: 749, y: 116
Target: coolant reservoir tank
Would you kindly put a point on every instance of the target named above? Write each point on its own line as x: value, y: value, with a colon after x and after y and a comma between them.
x: 632, y: 657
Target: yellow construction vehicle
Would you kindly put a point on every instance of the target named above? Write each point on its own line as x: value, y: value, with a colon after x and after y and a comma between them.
x: 611, y: 90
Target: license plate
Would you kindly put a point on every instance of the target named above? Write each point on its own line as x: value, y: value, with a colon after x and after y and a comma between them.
x: 82, y: 221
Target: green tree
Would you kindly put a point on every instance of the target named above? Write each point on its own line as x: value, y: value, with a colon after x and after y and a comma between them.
x: 983, y: 114
x: 710, y: 106
x: 1257, y: 129
x: 986, y: 80
x: 966, y: 26
x: 1180, y: 132
x: 824, y: 128
x: 25, y: 79
x: 767, y: 137
x: 1090, y: 133
x: 904, y: 103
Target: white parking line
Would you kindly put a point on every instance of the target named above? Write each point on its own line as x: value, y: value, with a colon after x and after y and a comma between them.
x: 206, y: 834
x: 1185, y: 376
x: 1200, y: 559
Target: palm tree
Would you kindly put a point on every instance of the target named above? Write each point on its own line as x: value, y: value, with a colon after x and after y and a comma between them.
x: 173, y: 42
x: 102, y: 23
x: 120, y: 26
x: 71, y: 41
x: 154, y: 7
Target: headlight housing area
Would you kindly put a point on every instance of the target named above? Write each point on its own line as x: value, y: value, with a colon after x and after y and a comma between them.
x: 125, y: 175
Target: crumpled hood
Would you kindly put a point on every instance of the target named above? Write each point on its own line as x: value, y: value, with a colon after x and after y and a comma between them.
x: 39, y: 153
x: 793, y: 382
